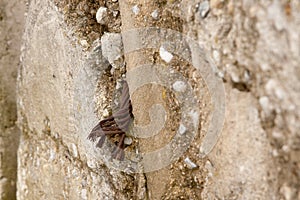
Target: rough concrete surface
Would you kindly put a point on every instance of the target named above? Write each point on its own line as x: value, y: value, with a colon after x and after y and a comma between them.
x: 243, y: 166
x: 240, y: 60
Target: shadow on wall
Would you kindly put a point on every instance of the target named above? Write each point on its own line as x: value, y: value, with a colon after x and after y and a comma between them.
x: 11, y: 28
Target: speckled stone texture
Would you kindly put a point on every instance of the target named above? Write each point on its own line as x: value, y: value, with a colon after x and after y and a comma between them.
x: 65, y: 86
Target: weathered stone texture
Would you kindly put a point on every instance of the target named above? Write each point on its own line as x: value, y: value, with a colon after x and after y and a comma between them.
x: 11, y: 27
x: 252, y: 47
x: 255, y: 47
x: 56, y: 112
x: 242, y: 158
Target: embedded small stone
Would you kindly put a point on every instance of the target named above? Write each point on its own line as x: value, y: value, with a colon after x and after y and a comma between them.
x: 220, y: 74
x: 154, y: 14
x: 247, y: 76
x: 52, y: 155
x: 216, y: 55
x: 277, y: 135
x: 118, y: 85
x: 265, y: 104
x: 234, y: 77
x: 115, y: 13
x: 135, y: 9
x: 195, y: 117
x: 287, y: 191
x: 84, y: 43
x: 204, y: 9
x: 182, y: 129
x: 127, y: 141
x: 275, y: 153
x: 265, y: 67
x: 112, y: 71
x: 91, y: 164
x: 74, y: 150
x: 165, y: 55
x: 101, y: 15
x: 112, y: 49
x: 190, y: 164
x: 208, y: 166
x: 285, y: 148
x: 84, y: 194
x: 105, y: 113
x: 179, y: 86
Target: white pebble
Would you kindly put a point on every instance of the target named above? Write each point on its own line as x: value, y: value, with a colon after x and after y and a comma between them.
x: 285, y: 148
x: 105, y: 113
x: 116, y: 102
x: 112, y: 48
x: 101, y: 15
x: 270, y: 86
x: 179, y: 86
x: 275, y: 153
x: 165, y: 55
x: 220, y: 74
x: 84, y: 43
x: 204, y: 9
x: 182, y: 129
x: 74, y: 150
x: 277, y: 135
x: 287, y: 192
x: 127, y: 141
x: 115, y: 13
x: 242, y: 168
x: 234, y: 77
x: 84, y: 194
x: 190, y: 164
x: 216, y: 55
x: 118, y: 85
x: 280, y: 94
x: 91, y: 164
x: 52, y: 155
x: 135, y: 9
x: 74, y: 172
x: 246, y: 76
x: 154, y: 14
x: 112, y: 71
x: 264, y: 103
x: 208, y: 166
x: 265, y: 67
x: 195, y: 117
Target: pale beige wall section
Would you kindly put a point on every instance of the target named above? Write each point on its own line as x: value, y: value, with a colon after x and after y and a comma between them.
x: 11, y: 29
x: 241, y: 165
x: 55, y: 110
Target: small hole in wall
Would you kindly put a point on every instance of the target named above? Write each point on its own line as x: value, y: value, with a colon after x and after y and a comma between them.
x: 243, y: 87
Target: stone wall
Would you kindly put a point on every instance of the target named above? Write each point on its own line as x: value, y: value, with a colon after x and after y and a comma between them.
x: 214, y: 83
